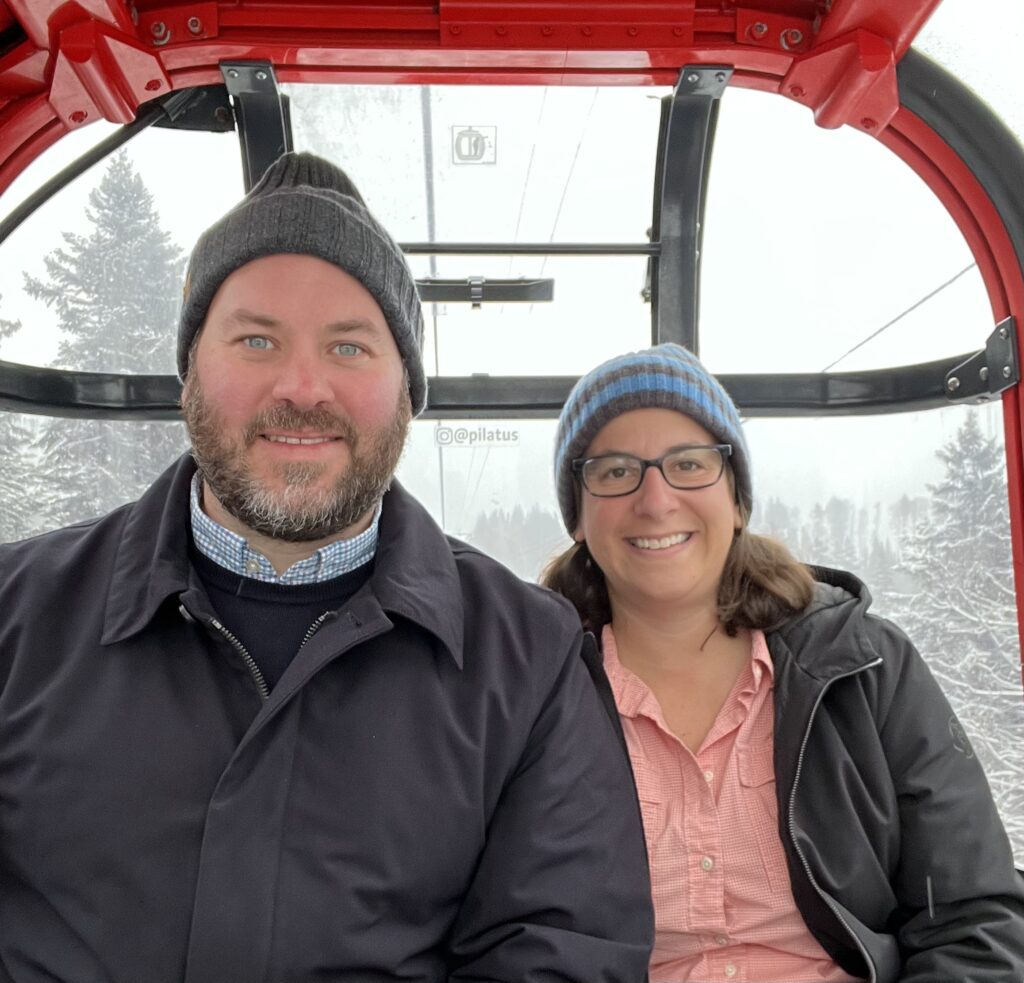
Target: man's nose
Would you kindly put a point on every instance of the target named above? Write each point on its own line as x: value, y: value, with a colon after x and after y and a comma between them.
x: 303, y: 381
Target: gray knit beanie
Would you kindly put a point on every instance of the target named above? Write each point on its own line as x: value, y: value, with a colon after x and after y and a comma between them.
x: 305, y: 204
x: 664, y: 377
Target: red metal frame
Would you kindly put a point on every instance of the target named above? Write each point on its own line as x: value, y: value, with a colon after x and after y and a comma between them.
x: 71, y: 63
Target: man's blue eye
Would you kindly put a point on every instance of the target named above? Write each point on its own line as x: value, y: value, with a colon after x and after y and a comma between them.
x: 347, y: 348
x: 258, y: 342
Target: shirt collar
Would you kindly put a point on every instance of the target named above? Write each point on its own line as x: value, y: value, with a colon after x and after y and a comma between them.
x: 633, y: 696
x: 231, y: 551
x: 415, y: 574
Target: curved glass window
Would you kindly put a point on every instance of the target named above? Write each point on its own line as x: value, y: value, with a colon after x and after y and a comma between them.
x: 94, y: 276
x: 822, y: 251
x: 505, y: 165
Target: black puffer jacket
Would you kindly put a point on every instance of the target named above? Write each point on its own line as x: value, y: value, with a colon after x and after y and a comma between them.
x: 899, y: 862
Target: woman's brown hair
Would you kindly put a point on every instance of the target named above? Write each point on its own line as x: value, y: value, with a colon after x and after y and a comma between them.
x: 762, y: 583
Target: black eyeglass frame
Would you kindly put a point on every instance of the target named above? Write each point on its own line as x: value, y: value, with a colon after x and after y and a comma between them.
x: 724, y: 453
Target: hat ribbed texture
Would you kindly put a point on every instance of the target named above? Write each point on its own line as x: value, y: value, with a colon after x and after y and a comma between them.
x: 664, y: 377
x: 306, y: 205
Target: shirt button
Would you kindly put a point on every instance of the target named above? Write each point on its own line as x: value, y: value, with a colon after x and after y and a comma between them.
x: 721, y: 940
x: 730, y: 970
x: 252, y: 566
x: 706, y: 863
x: 709, y: 776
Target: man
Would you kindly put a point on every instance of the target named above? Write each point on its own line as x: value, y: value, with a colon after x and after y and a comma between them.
x: 268, y: 723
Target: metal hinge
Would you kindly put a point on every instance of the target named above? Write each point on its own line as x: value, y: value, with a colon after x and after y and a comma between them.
x: 989, y: 372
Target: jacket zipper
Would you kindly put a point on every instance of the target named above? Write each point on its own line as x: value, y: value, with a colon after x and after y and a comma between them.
x: 250, y: 662
x: 315, y: 627
x: 792, y: 826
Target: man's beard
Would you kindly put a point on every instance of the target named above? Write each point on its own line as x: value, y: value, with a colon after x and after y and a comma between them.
x: 300, y: 512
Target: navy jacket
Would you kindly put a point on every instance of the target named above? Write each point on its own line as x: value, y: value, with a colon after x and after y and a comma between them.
x: 432, y: 791
x: 897, y: 857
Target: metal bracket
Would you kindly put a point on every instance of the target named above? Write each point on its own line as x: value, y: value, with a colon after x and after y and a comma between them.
x: 477, y: 290
x: 989, y: 372
x: 688, y: 121
x: 208, y: 110
x: 261, y: 113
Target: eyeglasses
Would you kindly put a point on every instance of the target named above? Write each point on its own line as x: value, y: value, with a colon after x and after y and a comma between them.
x: 694, y: 466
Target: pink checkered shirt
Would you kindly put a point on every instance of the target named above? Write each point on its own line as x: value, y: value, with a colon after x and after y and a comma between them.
x: 724, y: 909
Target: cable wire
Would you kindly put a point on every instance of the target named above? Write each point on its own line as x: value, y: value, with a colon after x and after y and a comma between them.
x: 902, y: 314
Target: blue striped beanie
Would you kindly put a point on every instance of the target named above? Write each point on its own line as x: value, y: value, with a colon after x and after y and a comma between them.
x: 664, y: 377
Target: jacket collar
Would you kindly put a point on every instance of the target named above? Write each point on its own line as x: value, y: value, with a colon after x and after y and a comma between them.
x: 414, y: 575
x: 828, y: 638
x: 151, y: 562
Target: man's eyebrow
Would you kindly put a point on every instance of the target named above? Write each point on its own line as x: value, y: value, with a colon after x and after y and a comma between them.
x: 243, y: 316
x: 355, y: 324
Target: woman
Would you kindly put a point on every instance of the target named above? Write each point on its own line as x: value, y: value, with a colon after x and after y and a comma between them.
x: 813, y: 810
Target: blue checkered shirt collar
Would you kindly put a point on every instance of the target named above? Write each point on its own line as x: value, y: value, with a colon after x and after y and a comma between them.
x: 231, y: 551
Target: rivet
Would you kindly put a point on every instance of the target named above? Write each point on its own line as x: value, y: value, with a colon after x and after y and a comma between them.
x: 152, y: 85
x: 790, y: 38
x: 158, y: 28
x: 1003, y: 332
x: 546, y: 31
x: 759, y: 30
x: 693, y: 78
x: 796, y: 91
x: 454, y: 29
x: 632, y: 31
x: 261, y: 76
x: 586, y: 31
x: 501, y: 31
x: 983, y: 373
x: 232, y: 73
x: 868, y: 123
x: 720, y: 76
x: 953, y: 384
x: 1007, y: 371
x: 195, y: 25
x: 79, y: 116
x: 677, y: 32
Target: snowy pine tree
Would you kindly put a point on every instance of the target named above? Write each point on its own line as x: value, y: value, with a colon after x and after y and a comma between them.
x: 962, y: 612
x: 523, y: 541
x: 7, y: 327
x: 18, y: 438
x: 116, y: 292
x: 815, y: 543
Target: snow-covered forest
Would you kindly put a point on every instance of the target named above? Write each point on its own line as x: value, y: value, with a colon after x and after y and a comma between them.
x: 937, y: 563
